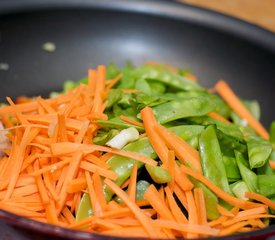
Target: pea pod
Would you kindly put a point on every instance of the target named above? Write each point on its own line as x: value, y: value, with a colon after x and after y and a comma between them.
x: 117, y: 123
x: 272, y: 133
x: 259, y: 151
x: 211, y: 158
x: 158, y: 174
x: 122, y: 166
x: 248, y: 176
x: 266, y: 185
x: 183, y: 108
x: 231, y: 168
x: 161, y: 74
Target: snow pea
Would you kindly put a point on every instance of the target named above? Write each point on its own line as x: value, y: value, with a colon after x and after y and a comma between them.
x: 272, y: 133
x: 141, y: 188
x: 239, y: 189
x: 122, y: 166
x: 211, y: 158
x: 259, y: 151
x: 113, y: 97
x: 158, y: 174
x: 161, y: 74
x: 117, y: 123
x: 266, y: 169
x: 183, y: 108
x: 227, y: 128
x: 231, y: 168
x: 189, y: 133
x: 103, y: 137
x: 266, y: 185
x: 248, y: 176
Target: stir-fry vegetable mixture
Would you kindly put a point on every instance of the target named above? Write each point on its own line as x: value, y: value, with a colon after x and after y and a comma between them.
x: 139, y: 152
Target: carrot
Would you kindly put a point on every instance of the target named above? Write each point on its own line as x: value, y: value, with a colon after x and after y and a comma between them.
x: 218, y: 117
x: 114, y: 81
x: 192, y: 212
x: 219, y: 192
x: 131, y: 121
x: 144, y: 221
x: 171, y: 168
x: 272, y: 164
x: 233, y: 228
x: 244, y: 218
x: 233, y: 101
x: 149, y: 123
x: 132, y: 184
x: 188, y: 228
x: 175, y: 210
x: 200, y: 203
x: 260, y: 198
x: 99, y: 190
x: 224, y: 212
x: 184, y: 152
x: 77, y: 185
x: 154, y: 198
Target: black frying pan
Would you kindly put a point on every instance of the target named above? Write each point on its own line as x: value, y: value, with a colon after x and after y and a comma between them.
x: 90, y: 32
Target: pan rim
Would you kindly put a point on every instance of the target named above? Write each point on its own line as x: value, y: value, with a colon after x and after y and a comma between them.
x: 162, y: 8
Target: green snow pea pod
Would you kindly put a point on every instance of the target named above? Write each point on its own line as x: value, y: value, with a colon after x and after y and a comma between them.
x: 231, y: 168
x: 141, y: 188
x: 272, y: 133
x: 102, y: 137
x: 266, y: 185
x: 239, y: 189
x: 226, y: 128
x: 122, y: 166
x: 161, y: 74
x: 266, y: 169
x: 248, y: 176
x: 189, y: 133
x: 117, y: 123
x: 158, y: 174
x: 211, y: 158
x: 157, y: 88
x: 228, y: 144
x: 143, y: 85
x: 259, y: 151
x: 183, y: 108
x: 113, y: 97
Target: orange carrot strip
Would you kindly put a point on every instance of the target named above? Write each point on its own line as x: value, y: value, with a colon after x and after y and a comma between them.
x: 272, y: 164
x: 233, y: 101
x: 82, y: 131
x: 132, y: 184
x: 192, y: 212
x: 68, y: 215
x: 98, y: 161
x: 130, y: 120
x: 99, y: 190
x: 77, y: 185
x: 49, y: 186
x: 219, y: 192
x: 247, y: 217
x: 182, y: 180
x: 156, y: 201
x: 20, y: 211
x: 71, y: 173
x: 51, y: 168
x: 64, y: 148
x: 224, y: 212
x: 218, y: 117
x: 200, y: 203
x: 188, y: 228
x: 233, y: 228
x: 51, y: 213
x: 171, y: 168
x: 252, y: 211
x: 260, y: 198
x: 183, y: 151
x: 114, y: 81
x: 101, y: 171
x: 45, y: 105
x: 144, y: 221
x: 181, y: 196
x: 175, y: 210
x: 149, y: 123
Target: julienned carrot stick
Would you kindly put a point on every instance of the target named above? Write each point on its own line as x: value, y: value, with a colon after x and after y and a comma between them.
x: 218, y: 117
x: 220, y: 193
x: 233, y: 101
x: 144, y: 221
x: 132, y: 184
x: 260, y: 198
x: 183, y: 151
x: 154, y: 198
x: 130, y: 120
x: 149, y: 123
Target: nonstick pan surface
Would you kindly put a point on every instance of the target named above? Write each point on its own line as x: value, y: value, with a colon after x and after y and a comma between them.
x: 88, y: 33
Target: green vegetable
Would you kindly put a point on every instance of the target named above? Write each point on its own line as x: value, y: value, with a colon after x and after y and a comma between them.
x: 266, y: 185
x: 211, y: 158
x: 239, y: 189
x: 158, y: 174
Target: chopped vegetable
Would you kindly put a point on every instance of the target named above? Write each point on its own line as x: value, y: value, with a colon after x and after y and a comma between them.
x: 138, y: 152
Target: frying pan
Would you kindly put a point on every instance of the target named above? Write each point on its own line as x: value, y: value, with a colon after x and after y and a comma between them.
x: 89, y: 32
